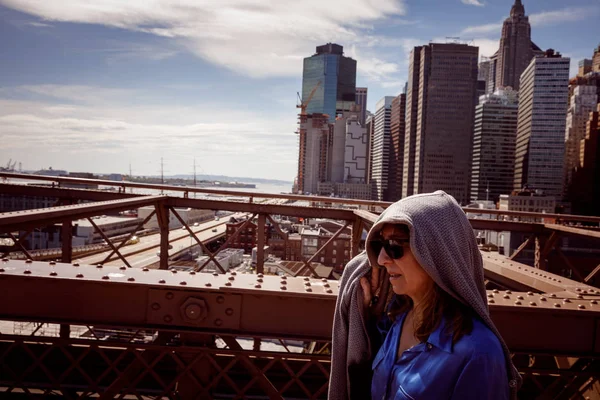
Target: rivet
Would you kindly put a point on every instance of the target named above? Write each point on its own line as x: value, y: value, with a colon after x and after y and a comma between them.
x: 326, y: 285
x: 76, y: 264
x: 553, y: 295
x: 99, y: 265
x: 592, y: 291
x: 168, y: 318
x: 169, y: 295
x: 28, y: 261
x: 145, y: 269
x: 155, y: 306
x: 519, y: 267
x: 329, y: 291
x: 231, y: 278
x: 559, y: 281
x: 218, y: 322
x: 259, y: 280
x: 79, y: 276
x: 207, y: 284
x: 227, y: 283
x: 283, y: 288
x: 306, y: 278
x: 257, y: 286
x: 579, y: 296
x: 53, y: 273
x: 214, y: 273
x: 220, y: 299
x: 5, y: 259
x: 518, y: 302
x: 308, y: 289
x: 529, y: 293
x: 229, y: 312
x: 532, y: 304
x: 52, y: 262
x: 495, y: 291
x: 542, y: 299
x: 123, y: 268
x: 491, y: 301
x: 131, y: 279
x: 581, y: 306
x: 233, y: 273
x: 578, y: 289
x: 306, y: 283
x: 259, y: 275
x: 323, y: 279
x: 556, y: 305
x: 490, y: 295
x: 105, y: 277
x: 566, y: 301
x: 506, y: 296
x: 508, y: 292
x: 593, y: 302
x: 1, y: 269
x: 192, y: 272
x: 162, y: 281
x: 183, y: 283
x: 27, y: 272
x: 283, y: 282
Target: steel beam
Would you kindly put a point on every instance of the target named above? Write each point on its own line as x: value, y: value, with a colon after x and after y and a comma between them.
x: 21, y: 220
x: 241, y: 305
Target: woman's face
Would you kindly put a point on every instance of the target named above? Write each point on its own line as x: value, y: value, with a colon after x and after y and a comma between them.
x: 406, y: 275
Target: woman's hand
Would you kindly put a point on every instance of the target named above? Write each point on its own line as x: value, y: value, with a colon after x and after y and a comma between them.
x: 375, y: 289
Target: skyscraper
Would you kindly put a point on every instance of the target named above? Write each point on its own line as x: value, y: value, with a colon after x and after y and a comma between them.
x: 381, y: 147
x: 361, y: 102
x: 396, y: 156
x: 312, y: 154
x: 583, y: 101
x: 515, y: 51
x: 540, y: 147
x: 335, y: 76
x: 494, y: 145
x: 439, y: 118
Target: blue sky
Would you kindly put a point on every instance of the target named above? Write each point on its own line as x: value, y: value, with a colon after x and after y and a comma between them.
x: 97, y: 87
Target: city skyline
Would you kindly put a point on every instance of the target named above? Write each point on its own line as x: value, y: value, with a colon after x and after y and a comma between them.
x: 99, y: 90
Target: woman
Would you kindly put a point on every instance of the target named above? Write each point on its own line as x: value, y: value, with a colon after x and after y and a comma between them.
x: 436, y: 340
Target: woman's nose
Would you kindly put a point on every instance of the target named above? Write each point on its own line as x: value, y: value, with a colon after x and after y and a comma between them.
x: 383, y: 258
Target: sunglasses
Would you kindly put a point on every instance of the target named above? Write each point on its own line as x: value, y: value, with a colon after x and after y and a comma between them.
x: 394, y: 248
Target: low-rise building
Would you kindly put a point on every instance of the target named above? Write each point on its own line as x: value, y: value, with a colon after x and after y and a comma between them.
x: 188, y: 215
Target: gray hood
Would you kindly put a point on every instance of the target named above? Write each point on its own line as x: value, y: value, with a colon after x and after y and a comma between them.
x: 443, y: 242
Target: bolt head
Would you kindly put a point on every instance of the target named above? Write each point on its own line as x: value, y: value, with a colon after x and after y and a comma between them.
x: 1, y: 269
x: 207, y: 284
x: 105, y: 277
x: 99, y: 266
x: 27, y: 272
x: 229, y: 312
x: 518, y: 303
x: 259, y: 280
x: 231, y: 278
x: 131, y: 279
x: 220, y: 299
x: 76, y: 264
x: 122, y: 268
x: 218, y: 322
x: 162, y: 281
x: 52, y: 262
x: 491, y: 301
x: 257, y: 286
x: 5, y: 259
x: 557, y: 305
x: 145, y: 269
x: 283, y: 288
x: 329, y: 291
x: 308, y: 289
x: 227, y: 283
x: 53, y: 273
x: 183, y: 283
x: 79, y: 276
x: 581, y: 307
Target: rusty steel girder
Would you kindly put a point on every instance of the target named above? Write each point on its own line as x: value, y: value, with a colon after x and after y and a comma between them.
x: 562, y: 323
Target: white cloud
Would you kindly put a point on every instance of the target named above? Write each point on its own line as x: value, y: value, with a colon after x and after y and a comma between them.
x: 487, y: 47
x: 473, y: 3
x: 483, y: 29
x: 102, y: 138
x: 565, y: 15
x: 39, y: 24
x: 253, y: 37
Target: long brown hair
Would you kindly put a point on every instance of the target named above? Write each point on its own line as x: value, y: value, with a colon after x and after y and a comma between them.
x: 437, y: 304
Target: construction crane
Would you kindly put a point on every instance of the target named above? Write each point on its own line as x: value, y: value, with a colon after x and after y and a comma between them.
x: 304, y: 103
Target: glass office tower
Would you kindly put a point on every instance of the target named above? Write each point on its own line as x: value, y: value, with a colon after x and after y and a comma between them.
x: 337, y: 75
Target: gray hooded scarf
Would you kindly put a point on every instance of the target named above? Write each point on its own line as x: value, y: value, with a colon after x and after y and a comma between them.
x: 443, y: 242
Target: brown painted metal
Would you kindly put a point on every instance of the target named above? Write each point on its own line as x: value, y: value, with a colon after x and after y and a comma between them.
x: 109, y: 242
x: 19, y: 244
x: 22, y: 220
x: 191, y: 189
x: 229, y: 240
x: 128, y: 238
x: 522, y: 247
x: 592, y: 274
x: 200, y: 243
x: 162, y: 216
x: 64, y: 193
x: 323, y: 247
x: 525, y: 214
x: 260, y: 244
x: 258, y: 306
x: 66, y: 237
x: 588, y: 233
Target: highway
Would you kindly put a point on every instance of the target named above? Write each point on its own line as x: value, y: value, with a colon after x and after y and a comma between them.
x: 145, y: 252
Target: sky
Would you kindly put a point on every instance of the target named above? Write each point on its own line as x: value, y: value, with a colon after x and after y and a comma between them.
x: 99, y: 86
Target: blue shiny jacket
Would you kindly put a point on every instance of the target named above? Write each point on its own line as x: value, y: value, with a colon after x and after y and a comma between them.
x: 472, y: 368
